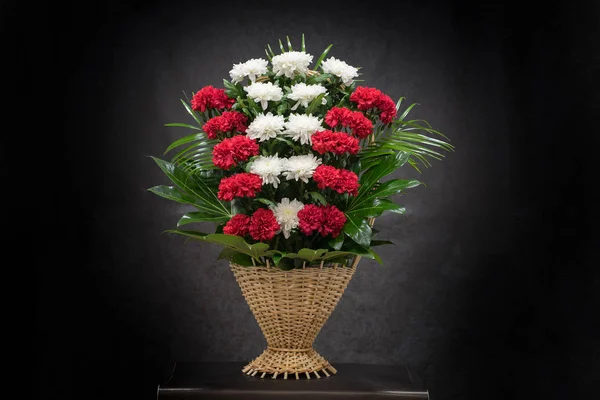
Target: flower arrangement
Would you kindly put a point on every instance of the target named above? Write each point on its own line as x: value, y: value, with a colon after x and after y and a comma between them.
x: 288, y: 160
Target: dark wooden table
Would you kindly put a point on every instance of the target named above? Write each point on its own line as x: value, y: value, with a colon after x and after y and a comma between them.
x: 352, y: 381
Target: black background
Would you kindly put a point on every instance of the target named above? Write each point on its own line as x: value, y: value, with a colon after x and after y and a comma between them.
x: 491, y: 289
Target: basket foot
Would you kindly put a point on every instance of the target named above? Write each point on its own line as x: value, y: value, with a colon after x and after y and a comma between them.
x: 296, y: 364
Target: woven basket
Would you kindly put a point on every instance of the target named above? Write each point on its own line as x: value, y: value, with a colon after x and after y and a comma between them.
x: 291, y: 307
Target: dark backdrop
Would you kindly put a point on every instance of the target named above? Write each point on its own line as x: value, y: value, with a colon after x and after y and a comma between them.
x: 490, y: 290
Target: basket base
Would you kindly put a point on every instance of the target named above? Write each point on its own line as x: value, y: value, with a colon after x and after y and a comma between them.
x: 289, y: 363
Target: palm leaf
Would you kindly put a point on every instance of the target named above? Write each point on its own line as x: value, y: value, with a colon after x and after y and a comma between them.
x: 414, y: 137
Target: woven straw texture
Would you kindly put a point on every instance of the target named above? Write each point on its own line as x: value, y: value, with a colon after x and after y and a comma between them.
x: 291, y: 307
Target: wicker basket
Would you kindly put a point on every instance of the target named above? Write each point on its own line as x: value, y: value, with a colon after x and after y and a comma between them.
x: 291, y: 307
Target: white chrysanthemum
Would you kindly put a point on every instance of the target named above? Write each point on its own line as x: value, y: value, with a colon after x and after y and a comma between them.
x: 268, y: 168
x: 301, y: 127
x: 264, y: 92
x: 301, y: 167
x: 290, y: 63
x: 304, y: 94
x: 252, y: 68
x: 339, y: 68
x: 286, y: 213
x: 265, y: 127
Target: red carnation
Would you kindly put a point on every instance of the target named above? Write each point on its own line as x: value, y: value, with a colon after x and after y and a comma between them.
x: 263, y: 225
x: 237, y: 120
x: 326, y: 220
x: 334, y: 142
x: 310, y: 219
x: 333, y: 221
x: 238, y: 225
x: 239, y: 185
x: 360, y: 125
x: 387, y: 107
x: 228, y: 122
x: 367, y: 98
x: 337, y: 116
x: 340, y: 180
x: 232, y: 151
x: 209, y: 97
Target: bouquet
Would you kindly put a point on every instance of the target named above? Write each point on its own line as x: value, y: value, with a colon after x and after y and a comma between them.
x: 289, y: 161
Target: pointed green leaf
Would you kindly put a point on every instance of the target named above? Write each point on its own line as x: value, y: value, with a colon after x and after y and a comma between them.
x: 303, y: 45
x: 380, y: 242
x: 315, y: 103
x: 405, y: 113
x: 177, y: 124
x: 185, y: 140
x: 172, y: 193
x: 289, y: 44
x: 194, y: 186
x: 372, y: 208
x: 318, y: 197
x: 192, y: 113
x: 318, y: 78
x: 358, y: 229
x: 201, y: 216
x: 268, y: 202
x: 322, y: 57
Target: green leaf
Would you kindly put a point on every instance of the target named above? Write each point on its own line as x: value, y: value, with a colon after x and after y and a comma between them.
x: 303, y: 45
x: 226, y: 254
x: 237, y: 207
x: 394, y: 186
x: 282, y: 108
x: 373, y: 208
x: 386, y: 166
x: 285, y: 140
x: 185, y: 140
x: 336, y: 242
x: 228, y: 84
x: 201, y: 216
x: 318, y: 78
x: 194, y: 186
x: 191, y: 112
x: 371, y: 177
x: 358, y: 250
x: 314, y: 104
x: 399, y: 103
x: 358, y: 229
x: 410, y: 137
x: 380, y: 242
x: 236, y: 243
x: 374, y: 199
x: 281, y: 46
x: 405, y: 113
x: 322, y: 57
x: 242, y: 259
x: 310, y: 254
x: 266, y: 201
x: 286, y: 264
x: 318, y: 197
x: 183, y: 126
x: 172, y: 193
x: 375, y: 256
x: 289, y: 44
